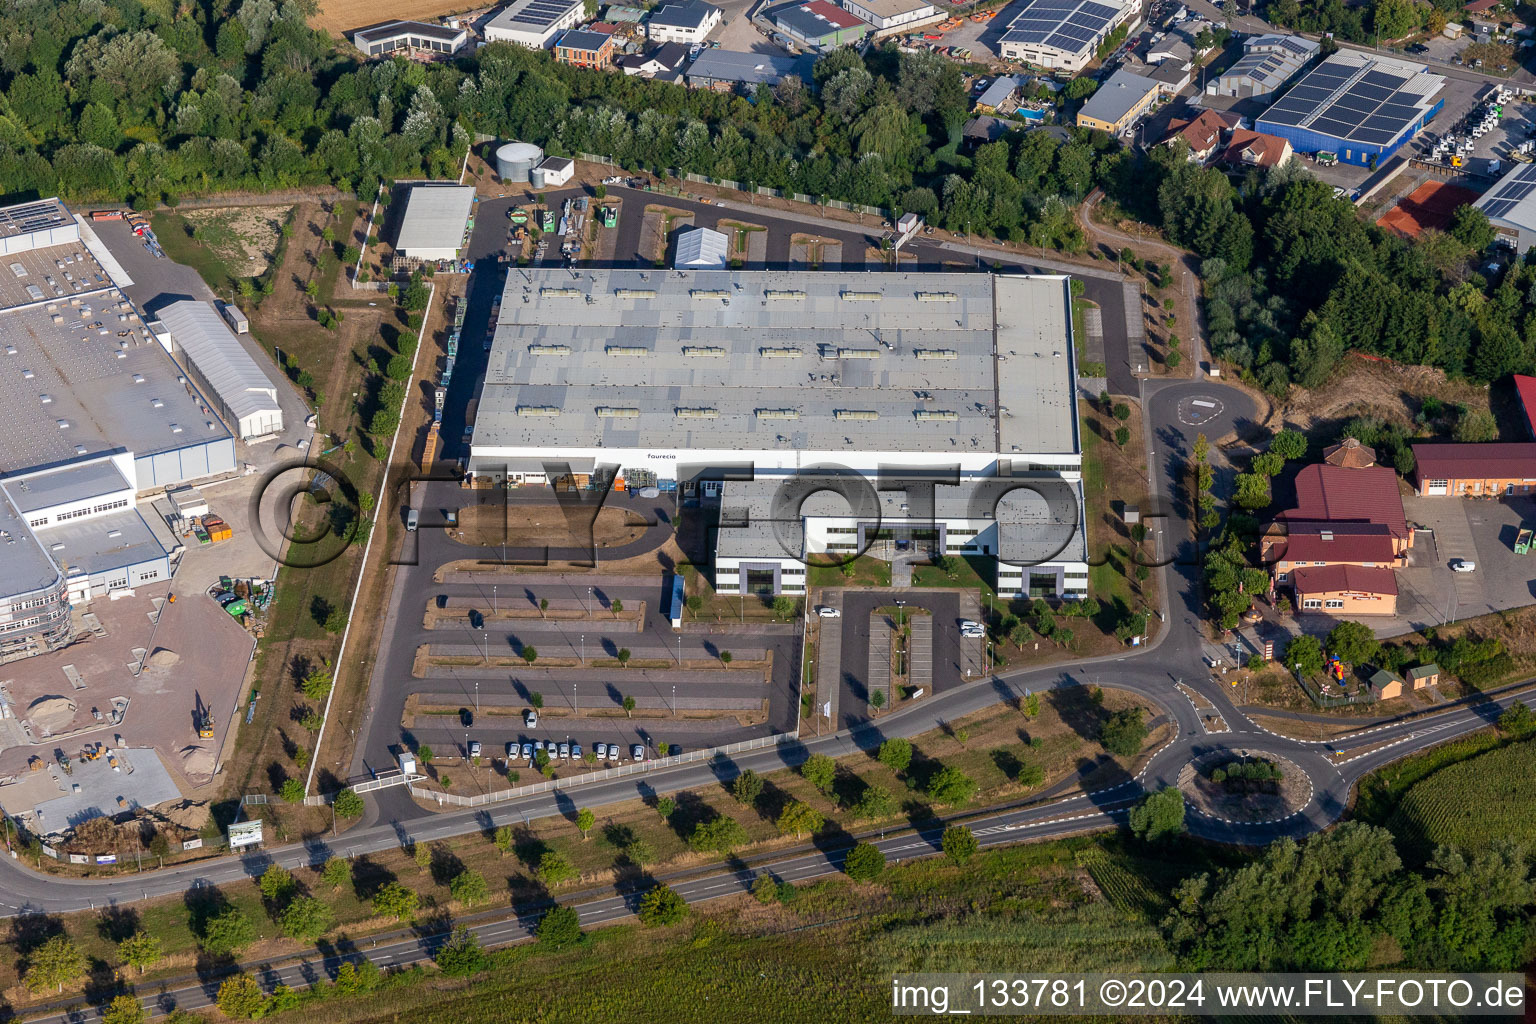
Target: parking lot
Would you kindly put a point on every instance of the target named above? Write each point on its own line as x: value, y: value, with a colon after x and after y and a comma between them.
x: 1487, y: 136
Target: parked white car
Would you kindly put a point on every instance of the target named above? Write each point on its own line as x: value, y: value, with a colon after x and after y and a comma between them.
x: 826, y: 611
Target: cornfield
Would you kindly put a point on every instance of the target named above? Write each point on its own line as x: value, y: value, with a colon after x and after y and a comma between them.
x: 1473, y: 803
x: 1123, y: 888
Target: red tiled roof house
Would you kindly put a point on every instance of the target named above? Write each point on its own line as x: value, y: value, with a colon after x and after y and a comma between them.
x: 1345, y: 590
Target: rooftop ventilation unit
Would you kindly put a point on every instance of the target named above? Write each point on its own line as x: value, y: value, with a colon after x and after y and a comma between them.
x: 937, y: 353
x: 560, y: 293
x: 936, y: 296
x: 538, y: 410
x: 549, y: 350
x: 704, y: 351
x: 855, y: 414
x: 611, y: 412
x: 785, y: 296
x: 708, y: 293
x: 942, y: 415
x: 779, y: 353
x: 627, y: 350
x: 697, y: 414
x: 778, y: 414
x: 634, y: 293
x: 858, y: 353
x: 862, y: 296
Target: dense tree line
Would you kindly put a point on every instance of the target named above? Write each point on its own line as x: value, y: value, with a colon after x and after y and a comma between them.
x: 1343, y: 900
x: 1295, y: 278
x: 109, y: 100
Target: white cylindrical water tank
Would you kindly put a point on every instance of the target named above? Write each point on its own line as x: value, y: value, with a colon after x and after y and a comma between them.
x: 536, y: 177
x: 515, y: 161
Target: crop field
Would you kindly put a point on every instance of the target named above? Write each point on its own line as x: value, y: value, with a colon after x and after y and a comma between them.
x: 340, y: 16
x: 1473, y: 803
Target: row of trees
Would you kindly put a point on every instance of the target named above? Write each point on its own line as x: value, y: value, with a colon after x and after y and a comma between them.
x: 1295, y: 278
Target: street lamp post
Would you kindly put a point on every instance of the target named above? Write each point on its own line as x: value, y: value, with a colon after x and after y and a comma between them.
x: 486, y: 637
x: 493, y: 599
x: 674, y: 700
x: 589, y: 602
x: 583, y: 650
x: 477, y: 696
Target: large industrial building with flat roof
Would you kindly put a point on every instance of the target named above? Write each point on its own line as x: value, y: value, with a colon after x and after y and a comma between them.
x: 1361, y: 107
x: 97, y: 413
x: 735, y: 385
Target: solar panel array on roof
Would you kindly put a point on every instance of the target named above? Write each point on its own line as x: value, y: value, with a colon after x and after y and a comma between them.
x: 1357, y: 98
x: 1509, y: 193
x: 541, y: 12
x: 1065, y: 24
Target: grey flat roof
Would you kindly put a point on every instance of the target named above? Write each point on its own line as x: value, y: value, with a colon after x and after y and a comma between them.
x: 435, y: 216
x: 198, y: 329
x: 1000, y: 91
x: 32, y: 491
x: 532, y: 15
x: 750, y: 68
x: 1121, y: 92
x: 711, y: 360
x: 688, y: 14
x: 24, y: 566
x: 397, y: 29
x: 102, y: 389
x: 102, y: 543
x: 1031, y: 529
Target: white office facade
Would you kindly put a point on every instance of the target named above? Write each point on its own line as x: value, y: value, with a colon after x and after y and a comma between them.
x: 953, y: 391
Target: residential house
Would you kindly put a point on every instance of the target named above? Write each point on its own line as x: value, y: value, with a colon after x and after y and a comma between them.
x: 1312, y: 544
x: 1204, y: 133
x: 1424, y: 675
x: 1475, y: 470
x: 1345, y: 590
x: 657, y: 62
x: 1339, y: 495
x: 1247, y: 148
x: 1119, y: 102
x: 583, y: 48
x: 984, y: 129
x: 688, y: 22
x: 999, y: 97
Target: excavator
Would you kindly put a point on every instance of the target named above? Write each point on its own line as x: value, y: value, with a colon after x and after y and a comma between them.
x: 204, y: 718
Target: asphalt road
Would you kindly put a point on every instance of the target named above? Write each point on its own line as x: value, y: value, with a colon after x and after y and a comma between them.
x: 1176, y: 412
